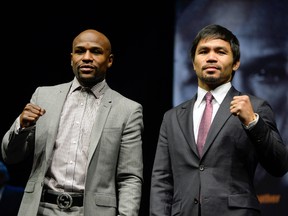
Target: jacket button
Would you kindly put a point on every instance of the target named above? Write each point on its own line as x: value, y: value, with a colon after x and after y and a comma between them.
x: 196, y: 201
x: 201, y: 167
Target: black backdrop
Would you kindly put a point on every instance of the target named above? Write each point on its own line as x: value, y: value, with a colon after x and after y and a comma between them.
x: 36, y: 45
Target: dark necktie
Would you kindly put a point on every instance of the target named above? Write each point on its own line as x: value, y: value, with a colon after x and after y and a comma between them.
x: 205, y: 123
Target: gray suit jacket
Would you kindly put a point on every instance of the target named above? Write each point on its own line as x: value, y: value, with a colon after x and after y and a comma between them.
x: 115, y: 171
x: 224, y: 175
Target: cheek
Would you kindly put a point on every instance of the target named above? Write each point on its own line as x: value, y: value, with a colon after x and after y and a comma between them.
x: 196, y: 65
x: 75, y: 60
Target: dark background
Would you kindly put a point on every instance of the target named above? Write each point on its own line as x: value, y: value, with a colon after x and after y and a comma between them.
x: 36, y: 45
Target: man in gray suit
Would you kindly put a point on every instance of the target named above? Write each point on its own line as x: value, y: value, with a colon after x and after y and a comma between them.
x: 242, y: 134
x: 86, y: 140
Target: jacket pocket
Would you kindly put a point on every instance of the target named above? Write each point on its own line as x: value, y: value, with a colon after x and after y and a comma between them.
x: 102, y: 200
x: 30, y: 186
x: 243, y: 201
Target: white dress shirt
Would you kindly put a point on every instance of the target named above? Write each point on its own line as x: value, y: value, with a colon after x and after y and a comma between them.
x: 218, y: 96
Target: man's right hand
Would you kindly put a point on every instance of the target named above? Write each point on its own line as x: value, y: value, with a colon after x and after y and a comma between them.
x: 30, y: 115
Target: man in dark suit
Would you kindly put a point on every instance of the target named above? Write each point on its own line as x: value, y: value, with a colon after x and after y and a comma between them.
x: 10, y: 195
x: 263, y: 71
x: 242, y: 134
x: 86, y: 141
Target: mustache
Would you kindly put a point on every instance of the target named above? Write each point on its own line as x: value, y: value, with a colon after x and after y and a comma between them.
x: 207, y: 66
x: 86, y: 66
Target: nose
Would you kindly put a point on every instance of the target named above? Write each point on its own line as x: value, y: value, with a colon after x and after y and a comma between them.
x: 87, y: 56
x: 211, y: 57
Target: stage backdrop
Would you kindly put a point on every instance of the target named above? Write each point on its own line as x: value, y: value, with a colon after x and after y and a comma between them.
x: 262, y: 28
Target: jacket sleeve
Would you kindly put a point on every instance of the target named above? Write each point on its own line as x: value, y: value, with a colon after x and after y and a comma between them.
x: 271, y: 150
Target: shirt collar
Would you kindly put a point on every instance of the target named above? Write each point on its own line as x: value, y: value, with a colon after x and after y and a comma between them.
x: 97, y: 89
x: 218, y: 93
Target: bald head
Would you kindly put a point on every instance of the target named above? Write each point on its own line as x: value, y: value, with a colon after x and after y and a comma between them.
x: 92, y: 35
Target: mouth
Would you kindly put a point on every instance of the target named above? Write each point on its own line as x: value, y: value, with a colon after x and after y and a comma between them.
x: 86, y: 68
x: 211, y: 68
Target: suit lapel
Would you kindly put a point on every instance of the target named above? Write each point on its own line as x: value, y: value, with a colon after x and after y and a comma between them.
x: 99, y: 123
x: 185, y: 120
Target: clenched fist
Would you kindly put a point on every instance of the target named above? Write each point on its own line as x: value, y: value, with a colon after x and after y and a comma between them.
x: 30, y: 115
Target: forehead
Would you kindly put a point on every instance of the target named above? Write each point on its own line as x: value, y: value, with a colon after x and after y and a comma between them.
x: 90, y: 39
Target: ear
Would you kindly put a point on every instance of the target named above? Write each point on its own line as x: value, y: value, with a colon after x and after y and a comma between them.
x: 110, y: 62
x: 193, y: 65
x: 71, y: 54
x: 236, y: 65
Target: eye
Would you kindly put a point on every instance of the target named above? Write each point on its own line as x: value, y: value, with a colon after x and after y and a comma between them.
x: 271, y: 75
x: 269, y: 70
x: 221, y: 52
x: 96, y: 51
x: 79, y: 51
x: 202, y: 51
